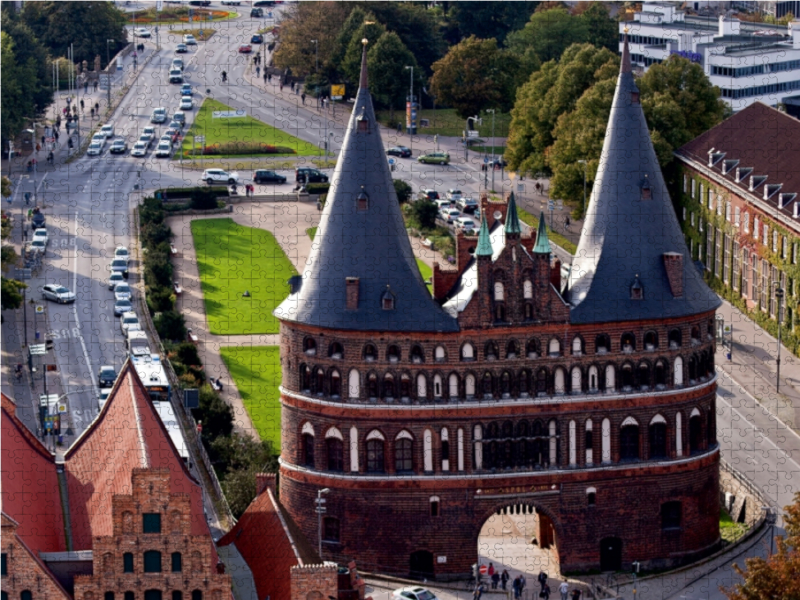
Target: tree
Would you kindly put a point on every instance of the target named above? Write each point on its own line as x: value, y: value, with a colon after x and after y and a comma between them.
x: 475, y: 75
x: 216, y: 414
x: 602, y: 30
x: 403, y: 190
x: 777, y: 576
x: 170, y: 325
x: 387, y: 60
x: 351, y: 64
x: 354, y: 20
x: 11, y: 293
x: 490, y: 19
x: 547, y: 35
x: 425, y: 212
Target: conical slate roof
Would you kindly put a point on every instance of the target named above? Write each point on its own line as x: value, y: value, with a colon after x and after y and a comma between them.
x: 626, y: 234
x: 362, y: 235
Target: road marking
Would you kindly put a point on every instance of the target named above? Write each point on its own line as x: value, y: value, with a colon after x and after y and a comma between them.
x: 75, y: 312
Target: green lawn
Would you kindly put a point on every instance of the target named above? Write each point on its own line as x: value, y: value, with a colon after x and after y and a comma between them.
x: 728, y: 530
x: 447, y: 122
x: 241, y: 129
x: 233, y: 259
x: 426, y: 273
x: 311, y: 231
x: 256, y: 371
x: 556, y: 238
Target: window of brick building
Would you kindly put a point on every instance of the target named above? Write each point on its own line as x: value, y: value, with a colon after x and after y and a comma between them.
x: 177, y: 562
x: 765, y: 237
x: 152, y: 561
x: 403, y: 455
x: 737, y: 217
x: 629, y: 442
x: 658, y: 439
x: 26, y: 595
x: 735, y: 281
x: 308, y: 450
x: 335, y: 449
x: 745, y: 273
x: 177, y: 595
x: 718, y: 266
x: 756, y: 228
x: 774, y: 240
x: 671, y: 515
x: 694, y: 187
x: 152, y: 595
x: 127, y: 562
x: 728, y: 212
x: 330, y: 529
x: 685, y: 182
x: 197, y: 595
x: 108, y: 596
x: 434, y: 506
x: 4, y: 564
x: 710, y: 249
x: 151, y: 523
x: 375, y: 456
x: 130, y: 596
x: 747, y: 222
x: 726, y: 259
x: 702, y: 191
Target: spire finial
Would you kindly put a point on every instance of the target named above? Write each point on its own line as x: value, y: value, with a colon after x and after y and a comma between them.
x: 363, y: 83
x: 512, y: 218
x: 484, y: 247
x: 625, y: 63
x: 542, y: 241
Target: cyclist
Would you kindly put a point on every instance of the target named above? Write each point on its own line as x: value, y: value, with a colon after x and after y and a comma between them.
x: 18, y: 371
x: 224, y: 77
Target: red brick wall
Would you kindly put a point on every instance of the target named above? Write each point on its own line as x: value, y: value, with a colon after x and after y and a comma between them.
x: 310, y: 580
x: 24, y: 571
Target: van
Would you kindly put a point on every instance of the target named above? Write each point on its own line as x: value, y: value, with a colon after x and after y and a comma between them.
x: 465, y: 224
x: 137, y: 342
x: 107, y: 130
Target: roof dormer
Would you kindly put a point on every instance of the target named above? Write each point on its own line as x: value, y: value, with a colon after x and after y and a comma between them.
x: 714, y: 158
x: 755, y: 181
x: 742, y: 173
x: 784, y: 200
x: 729, y: 165
x: 771, y: 189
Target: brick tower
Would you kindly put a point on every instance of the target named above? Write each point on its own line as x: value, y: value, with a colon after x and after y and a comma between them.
x: 589, y: 403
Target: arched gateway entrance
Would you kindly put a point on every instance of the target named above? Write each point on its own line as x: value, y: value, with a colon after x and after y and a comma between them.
x: 519, y: 538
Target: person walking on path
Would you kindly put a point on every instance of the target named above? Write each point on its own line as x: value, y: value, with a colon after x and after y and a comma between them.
x: 522, y: 583
x: 495, y: 579
x: 303, y: 98
x: 96, y: 83
x: 517, y: 587
x: 576, y: 594
x: 265, y: 77
x: 542, y: 578
x: 545, y: 593
x: 258, y: 71
x: 479, y: 589
x: 490, y: 571
x: 504, y: 576
x: 563, y: 590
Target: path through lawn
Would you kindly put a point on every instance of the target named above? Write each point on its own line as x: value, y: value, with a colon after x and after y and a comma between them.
x: 257, y: 373
x: 234, y: 259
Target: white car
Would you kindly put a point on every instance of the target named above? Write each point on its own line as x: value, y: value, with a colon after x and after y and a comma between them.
x: 95, y: 149
x: 107, y: 130
x: 164, y: 149
x: 413, y: 593
x: 122, y: 291
x: 41, y: 234
x: 159, y: 116
x: 189, y: 40
x: 211, y: 176
x: 103, y: 396
x: 187, y: 103
x: 151, y: 131
x: 128, y: 320
x: 114, y: 279
x: 37, y: 246
x: 141, y: 32
x: 146, y: 138
x: 453, y: 195
x: 121, y: 252
x: 139, y: 149
x: 449, y: 215
x: 57, y: 293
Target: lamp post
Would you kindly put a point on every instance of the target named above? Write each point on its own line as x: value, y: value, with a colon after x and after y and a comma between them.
x: 583, y: 208
x: 779, y: 297
x: 108, y: 70
x: 492, y: 110
x: 320, y: 510
x: 477, y: 120
x: 411, y: 122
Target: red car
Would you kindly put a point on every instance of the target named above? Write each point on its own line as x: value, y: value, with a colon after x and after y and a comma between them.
x: 245, y: 49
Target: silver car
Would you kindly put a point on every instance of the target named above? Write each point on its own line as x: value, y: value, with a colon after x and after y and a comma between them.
x: 127, y: 321
x: 122, y: 291
x: 121, y: 307
x: 57, y: 293
x: 119, y: 265
x: 139, y: 149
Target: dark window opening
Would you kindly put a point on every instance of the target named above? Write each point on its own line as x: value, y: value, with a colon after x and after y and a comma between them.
x: 591, y: 498
x: 405, y: 386
x: 393, y: 354
x: 602, y: 344
x: 375, y: 456
x: 330, y: 530
x: 370, y: 352
x: 695, y: 434
x: 132, y: 596
x: 309, y: 345
x: 671, y: 515
x: 388, y: 387
x: 335, y: 454
x: 403, y: 455
x: 108, y: 596
x: 658, y: 440
x: 629, y: 442
x: 152, y: 561
x: 435, y: 508
x: 660, y: 374
x: 127, y: 562
x: 177, y: 562
x: 336, y: 350
x: 197, y: 595
x: 308, y: 450
x: 628, y: 342
x: 151, y: 523
x: 177, y: 595
x: 445, y: 450
x: 4, y: 564
x: 588, y: 439
x: 417, y: 355
x: 675, y: 338
x: 372, y: 386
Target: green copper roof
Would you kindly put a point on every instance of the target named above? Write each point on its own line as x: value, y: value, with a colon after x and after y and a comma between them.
x: 484, y: 243
x: 542, y: 242
x: 512, y: 219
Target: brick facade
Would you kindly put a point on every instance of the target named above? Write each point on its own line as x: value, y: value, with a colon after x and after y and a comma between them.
x: 152, y: 526
x: 314, y: 582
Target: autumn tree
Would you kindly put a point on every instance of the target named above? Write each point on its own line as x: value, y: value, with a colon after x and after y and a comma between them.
x: 777, y: 576
x: 306, y: 21
x: 476, y: 75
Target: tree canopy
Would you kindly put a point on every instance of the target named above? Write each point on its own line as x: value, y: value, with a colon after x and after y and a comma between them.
x: 490, y: 19
x: 387, y: 60
x: 476, y: 75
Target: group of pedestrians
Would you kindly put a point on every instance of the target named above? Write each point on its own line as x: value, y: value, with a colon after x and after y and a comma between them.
x: 563, y: 589
x: 500, y: 580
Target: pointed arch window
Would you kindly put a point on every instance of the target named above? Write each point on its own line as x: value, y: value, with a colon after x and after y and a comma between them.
x: 387, y: 299
x: 362, y: 200
x: 362, y: 123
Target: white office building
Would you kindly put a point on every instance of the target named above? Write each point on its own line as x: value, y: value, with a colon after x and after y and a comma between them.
x: 749, y: 62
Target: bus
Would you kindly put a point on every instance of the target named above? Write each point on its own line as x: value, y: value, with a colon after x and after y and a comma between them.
x: 170, y: 421
x: 151, y: 371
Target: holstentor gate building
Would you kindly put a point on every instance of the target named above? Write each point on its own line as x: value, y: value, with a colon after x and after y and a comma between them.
x: 591, y: 403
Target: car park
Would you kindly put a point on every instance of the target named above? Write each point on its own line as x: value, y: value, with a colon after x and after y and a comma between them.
x: 37, y: 218
x: 181, y: 48
x: 265, y: 176
x: 245, y: 49
x: 467, y: 205
x: 106, y: 376
x: 126, y: 320
x: 449, y: 215
x: 465, y: 224
x: 257, y: 38
x: 175, y: 76
x: 41, y: 234
x: 159, y: 115
x: 309, y: 175
x: 37, y: 246
x: 119, y: 265
x: 186, y: 89
x: 118, y: 146
x: 121, y: 307
x: 435, y: 158
x: 57, y: 293
x: 122, y: 291
x: 142, y: 32
x: 114, y: 279
x: 163, y: 150
x: 94, y: 149
x: 400, y: 151
x: 413, y: 593
x: 107, y: 130
x: 189, y: 40
x: 187, y: 103
x: 211, y: 176
x: 139, y: 149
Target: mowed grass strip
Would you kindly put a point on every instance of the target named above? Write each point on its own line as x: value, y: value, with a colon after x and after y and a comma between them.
x: 233, y: 259
x: 256, y: 370
x: 241, y: 129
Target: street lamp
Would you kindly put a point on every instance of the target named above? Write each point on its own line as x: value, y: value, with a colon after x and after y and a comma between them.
x: 779, y: 297
x: 108, y: 70
x: 492, y: 110
x: 583, y: 208
x: 320, y: 510
x: 477, y: 120
x: 412, y: 129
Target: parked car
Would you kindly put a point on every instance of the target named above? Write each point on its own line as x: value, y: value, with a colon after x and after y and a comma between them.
x: 440, y: 158
x: 159, y: 115
x: 429, y: 195
x: 119, y: 265
x: 118, y: 146
x: 122, y: 291
x: 186, y: 103
x: 467, y: 205
x: 189, y: 40
x: 245, y: 49
x: 126, y: 320
x: 37, y: 219
x: 164, y: 149
x: 256, y: 13
x: 121, y: 252
x: 106, y: 376
x: 41, y: 234
x: 141, y: 32
x: 102, y: 396
x: 115, y: 278
x: 211, y: 176
x: 265, y: 176
x: 309, y: 175
x: 186, y: 89
x: 37, y: 246
x: 443, y: 203
x: 57, y: 293
x: 449, y: 215
x: 175, y: 76
x: 413, y: 593
x: 400, y: 151
x: 453, y: 195
x: 121, y: 307
x: 465, y: 224
x: 181, y: 48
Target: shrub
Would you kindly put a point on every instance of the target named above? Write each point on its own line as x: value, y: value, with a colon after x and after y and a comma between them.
x: 318, y: 188
x: 158, y: 269
x: 187, y: 353
x: 215, y: 413
x: 160, y: 299
x: 154, y: 234
x: 403, y: 190
x: 203, y: 199
x: 170, y: 325
x: 425, y: 212
x: 235, y: 148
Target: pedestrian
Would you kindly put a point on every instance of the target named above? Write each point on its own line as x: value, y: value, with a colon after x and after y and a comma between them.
x: 542, y: 578
x: 545, y: 593
x: 576, y: 594
x: 258, y: 71
x: 265, y: 76
x: 43, y: 139
x: 85, y: 87
x: 566, y: 222
x: 495, y: 579
x: 515, y: 585
x: 91, y: 113
x: 564, y: 590
x: 479, y: 589
x: 269, y: 77
x: 303, y: 98
x: 51, y: 158
x: 96, y: 83
x: 69, y: 143
x: 97, y: 108
x: 81, y: 105
x: 38, y: 147
x: 69, y: 99
x: 199, y: 427
x: 55, y: 134
x: 522, y: 583
x: 504, y: 576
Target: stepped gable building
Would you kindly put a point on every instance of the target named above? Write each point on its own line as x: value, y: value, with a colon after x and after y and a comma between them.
x: 121, y: 517
x: 588, y: 405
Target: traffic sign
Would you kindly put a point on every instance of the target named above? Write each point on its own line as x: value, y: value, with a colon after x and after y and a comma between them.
x: 484, y: 569
x: 560, y: 204
x: 551, y: 205
x: 37, y: 349
x: 337, y: 92
x: 391, y: 161
x: 485, y: 159
x: 472, y: 134
x: 39, y: 309
x: 62, y: 408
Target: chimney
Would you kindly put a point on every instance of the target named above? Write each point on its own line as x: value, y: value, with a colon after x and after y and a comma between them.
x: 264, y: 481
x: 673, y: 263
x: 352, y: 293
x: 729, y: 26
x: 555, y: 274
